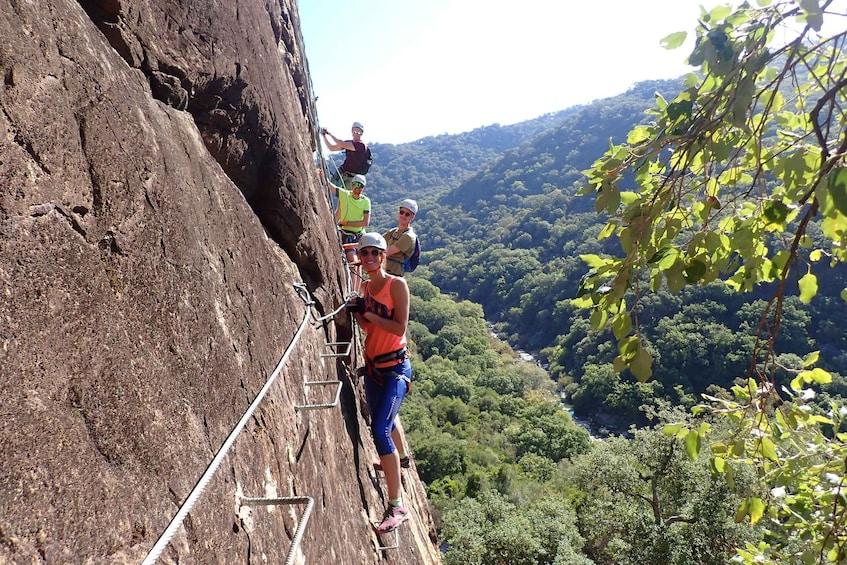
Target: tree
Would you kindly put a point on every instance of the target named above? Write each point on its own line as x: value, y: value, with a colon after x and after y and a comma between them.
x: 546, y: 430
x: 732, y: 177
x: 597, y: 383
x: 646, y: 502
x: 439, y: 456
x: 490, y: 530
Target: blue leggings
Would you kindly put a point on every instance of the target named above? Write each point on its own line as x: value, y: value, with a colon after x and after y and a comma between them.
x: 384, y: 401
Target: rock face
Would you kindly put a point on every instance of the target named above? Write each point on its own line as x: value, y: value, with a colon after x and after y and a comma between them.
x: 159, y: 203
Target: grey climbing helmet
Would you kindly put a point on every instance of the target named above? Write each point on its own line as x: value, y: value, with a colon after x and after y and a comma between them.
x: 373, y: 239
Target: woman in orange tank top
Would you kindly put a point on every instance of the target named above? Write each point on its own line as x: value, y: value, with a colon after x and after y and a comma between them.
x: 388, y: 371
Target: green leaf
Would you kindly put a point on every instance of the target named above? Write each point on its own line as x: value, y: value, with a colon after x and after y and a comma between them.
x: 694, y: 272
x: 769, y: 449
x: 671, y: 429
x: 843, y: 294
x: 692, y: 445
x: 675, y: 278
x: 818, y: 419
x: 741, y: 513
x: 720, y: 12
x: 625, y: 237
x: 619, y: 364
x: 628, y: 197
x: 775, y: 212
x: 598, y: 319
x: 718, y: 448
x: 641, y: 365
x: 607, y: 230
x: 594, y: 261
x: 656, y: 282
x: 674, y: 40
x: 811, y: 358
x: 819, y: 376
x: 680, y: 109
x: 808, y: 287
x: 613, y: 199
x: 621, y: 325
x: 582, y: 302
x: 669, y: 259
x: 756, y: 509
x: 837, y: 180
x: 812, y: 9
x: 719, y: 464
x: 738, y: 448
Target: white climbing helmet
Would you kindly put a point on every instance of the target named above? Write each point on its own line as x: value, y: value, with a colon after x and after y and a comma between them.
x: 359, y: 178
x: 410, y: 205
x: 373, y: 239
x: 358, y: 125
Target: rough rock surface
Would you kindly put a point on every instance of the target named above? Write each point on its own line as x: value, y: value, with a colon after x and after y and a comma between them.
x: 158, y: 203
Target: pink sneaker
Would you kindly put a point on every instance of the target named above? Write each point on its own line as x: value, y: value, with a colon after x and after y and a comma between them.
x: 393, y: 517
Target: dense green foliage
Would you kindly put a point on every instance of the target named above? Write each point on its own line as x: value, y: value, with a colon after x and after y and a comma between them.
x: 515, y: 480
x: 741, y: 177
x: 512, y: 236
x: 707, y: 247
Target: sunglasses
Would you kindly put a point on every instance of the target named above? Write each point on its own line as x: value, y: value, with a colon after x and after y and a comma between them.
x: 358, y: 185
x: 406, y: 213
x: 370, y: 251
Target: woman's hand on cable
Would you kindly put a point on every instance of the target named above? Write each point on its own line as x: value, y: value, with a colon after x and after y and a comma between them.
x: 356, y: 305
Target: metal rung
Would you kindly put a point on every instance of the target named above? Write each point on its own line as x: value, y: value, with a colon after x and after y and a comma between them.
x: 345, y: 353
x: 396, y: 541
x: 321, y: 406
x: 301, y: 525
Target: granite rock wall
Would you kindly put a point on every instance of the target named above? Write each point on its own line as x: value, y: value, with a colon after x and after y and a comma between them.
x: 159, y: 209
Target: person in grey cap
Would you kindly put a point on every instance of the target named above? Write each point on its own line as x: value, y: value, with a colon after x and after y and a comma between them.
x: 357, y: 155
x: 400, y: 243
x: 401, y: 240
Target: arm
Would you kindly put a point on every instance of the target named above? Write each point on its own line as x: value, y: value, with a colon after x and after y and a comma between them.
x: 363, y: 223
x: 337, y: 144
x: 403, y: 246
x: 397, y: 325
x: 332, y: 187
x: 342, y: 202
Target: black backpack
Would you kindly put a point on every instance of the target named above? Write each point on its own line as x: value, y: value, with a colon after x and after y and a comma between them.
x: 366, y: 164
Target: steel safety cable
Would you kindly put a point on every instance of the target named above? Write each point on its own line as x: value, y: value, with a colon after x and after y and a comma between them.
x: 186, y: 507
x: 333, y: 313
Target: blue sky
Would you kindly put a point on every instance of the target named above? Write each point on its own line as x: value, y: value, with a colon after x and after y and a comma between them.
x: 408, y: 70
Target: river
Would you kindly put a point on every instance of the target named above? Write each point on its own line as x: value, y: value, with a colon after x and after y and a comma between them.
x: 596, y: 432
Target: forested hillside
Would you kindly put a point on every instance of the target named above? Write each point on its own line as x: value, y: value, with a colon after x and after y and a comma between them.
x: 513, y: 479
x: 510, y: 238
x: 434, y: 165
x: 680, y: 246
